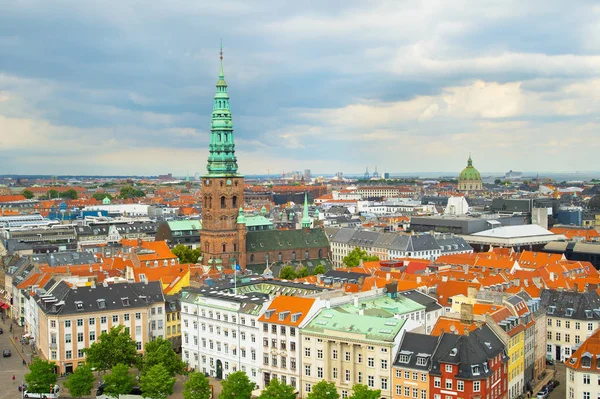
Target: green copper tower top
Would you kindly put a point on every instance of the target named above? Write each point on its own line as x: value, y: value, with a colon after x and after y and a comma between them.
x: 305, y: 218
x: 221, y: 157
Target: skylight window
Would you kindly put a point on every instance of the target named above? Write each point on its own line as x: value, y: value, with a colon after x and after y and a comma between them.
x: 125, y: 301
x: 79, y: 305
x: 101, y: 303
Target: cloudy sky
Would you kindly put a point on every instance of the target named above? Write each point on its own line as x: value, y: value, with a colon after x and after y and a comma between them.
x: 125, y: 87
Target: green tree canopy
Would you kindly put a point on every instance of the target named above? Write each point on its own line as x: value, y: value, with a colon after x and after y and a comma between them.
x: 497, y: 181
x: 81, y: 382
x: 303, y: 272
x: 51, y: 194
x: 113, y: 347
x: 196, y: 387
x: 27, y: 194
x: 236, y: 386
x: 323, y: 390
x: 319, y: 269
x: 69, y: 194
x: 278, y: 390
x: 288, y: 273
x: 41, y: 376
x: 119, y: 381
x: 156, y: 382
x: 360, y: 391
x: 354, y: 257
x: 185, y: 254
x: 131, y: 192
x: 160, y: 351
x: 101, y: 196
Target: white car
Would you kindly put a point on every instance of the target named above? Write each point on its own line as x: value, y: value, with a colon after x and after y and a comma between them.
x: 51, y: 395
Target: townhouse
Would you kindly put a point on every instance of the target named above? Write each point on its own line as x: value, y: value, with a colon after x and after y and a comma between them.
x: 283, y: 347
x: 410, y: 376
x: 353, y: 341
x: 173, y: 321
x: 71, y: 319
x: 571, y: 318
x: 583, y: 369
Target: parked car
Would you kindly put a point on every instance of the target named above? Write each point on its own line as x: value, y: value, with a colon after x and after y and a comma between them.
x: 543, y: 394
x: 1, y: 331
x: 550, y: 362
x: 549, y: 387
x: 6, y: 353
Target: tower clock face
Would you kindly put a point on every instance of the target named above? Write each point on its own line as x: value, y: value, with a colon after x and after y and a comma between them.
x: 228, y: 182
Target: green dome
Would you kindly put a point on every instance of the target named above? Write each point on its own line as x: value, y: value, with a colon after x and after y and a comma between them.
x: 469, y: 173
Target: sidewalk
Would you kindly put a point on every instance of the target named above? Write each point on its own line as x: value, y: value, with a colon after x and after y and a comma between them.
x: 23, y: 350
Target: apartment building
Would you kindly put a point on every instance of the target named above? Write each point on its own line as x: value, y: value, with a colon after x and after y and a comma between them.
x: 410, y: 377
x: 282, y: 342
x: 583, y: 369
x: 353, y: 341
x: 220, y: 331
x: 571, y: 317
x: 173, y: 321
x: 71, y: 319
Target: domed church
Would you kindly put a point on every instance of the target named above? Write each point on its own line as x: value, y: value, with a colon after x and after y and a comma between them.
x: 469, y: 179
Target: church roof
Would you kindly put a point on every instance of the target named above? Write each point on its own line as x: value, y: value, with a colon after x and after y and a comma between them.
x: 278, y: 240
x: 469, y: 173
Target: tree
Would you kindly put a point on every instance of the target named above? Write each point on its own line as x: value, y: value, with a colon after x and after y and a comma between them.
x: 160, y: 351
x: 119, y: 381
x: 278, y: 390
x: 319, y: 269
x: 236, y: 386
x: 81, y: 382
x: 185, y: 254
x: 303, y: 272
x: 41, y: 376
x: 360, y: 391
x: 156, y: 382
x: 497, y: 181
x: 354, y: 257
x: 287, y: 273
x: 52, y: 194
x: 196, y: 387
x: 323, y: 390
x: 101, y: 196
x: 70, y: 194
x: 112, y: 348
x: 27, y: 194
x: 131, y: 192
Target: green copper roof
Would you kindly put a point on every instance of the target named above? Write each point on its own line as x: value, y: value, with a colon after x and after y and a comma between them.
x: 469, y: 173
x: 305, y: 218
x: 184, y: 225
x: 221, y: 157
x: 258, y: 220
x: 241, y: 218
x: 278, y: 240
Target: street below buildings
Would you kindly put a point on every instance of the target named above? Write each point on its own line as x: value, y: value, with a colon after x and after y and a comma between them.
x: 11, y: 366
x: 560, y: 392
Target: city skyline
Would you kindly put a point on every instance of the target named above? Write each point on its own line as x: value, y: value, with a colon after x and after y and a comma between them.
x: 411, y: 88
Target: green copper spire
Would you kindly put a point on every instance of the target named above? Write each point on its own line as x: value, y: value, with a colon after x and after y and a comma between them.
x: 241, y: 218
x: 305, y: 219
x: 221, y: 157
x: 470, y: 161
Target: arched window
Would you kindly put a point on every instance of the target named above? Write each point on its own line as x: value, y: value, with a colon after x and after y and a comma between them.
x: 224, y: 248
x: 234, y: 247
x: 293, y: 255
x: 234, y: 201
x: 219, y: 136
x: 280, y: 257
x: 251, y: 258
x: 222, y: 201
x: 306, y: 255
x: 206, y: 247
x: 320, y: 253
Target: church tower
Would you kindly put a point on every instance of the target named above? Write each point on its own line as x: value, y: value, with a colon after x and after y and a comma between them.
x: 223, y: 242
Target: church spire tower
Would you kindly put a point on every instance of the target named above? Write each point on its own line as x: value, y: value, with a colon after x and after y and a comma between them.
x: 221, y: 157
x: 305, y: 218
x: 223, y: 234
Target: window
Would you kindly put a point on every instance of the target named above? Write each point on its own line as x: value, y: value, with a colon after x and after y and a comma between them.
x: 307, y: 370
x: 138, y: 345
x: 334, y: 372
x: 80, y: 353
x: 68, y: 338
x: 577, y: 339
x: 359, y: 358
x: 370, y: 381
x: 415, y: 393
x: 567, y: 337
x: 92, y: 336
x: 590, y: 326
x: 586, y: 379
x: 558, y: 323
x: 568, y: 324
x: 347, y: 375
x: 476, y: 386
x: 67, y: 323
x: 334, y: 354
x: 307, y: 352
x: 384, y: 364
x: 423, y: 377
x: 448, y: 368
x: 398, y: 390
x: 126, y: 317
x: 138, y: 316
x: 586, y: 395
x: 448, y: 383
x: 415, y: 375
x: 437, y: 382
x: 92, y: 321
x: 319, y: 353
x: 79, y: 322
x: 549, y: 335
x: 577, y: 325
x: 307, y: 387
x: 79, y: 337
x: 102, y: 319
x: 347, y: 355
x: 359, y: 377
x: 344, y: 394
x: 407, y: 392
x: 68, y: 354
x: 460, y: 386
x: 370, y: 362
x: 423, y: 394
x: 406, y: 374
x: 384, y: 383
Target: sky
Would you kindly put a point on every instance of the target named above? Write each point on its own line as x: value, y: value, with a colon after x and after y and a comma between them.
x: 125, y: 87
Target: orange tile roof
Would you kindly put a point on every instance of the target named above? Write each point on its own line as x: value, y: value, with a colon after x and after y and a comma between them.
x: 571, y: 233
x: 451, y: 326
x: 12, y: 198
x: 291, y: 304
x: 590, y: 347
x: 448, y: 289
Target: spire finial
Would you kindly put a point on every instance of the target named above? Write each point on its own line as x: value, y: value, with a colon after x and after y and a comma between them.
x: 221, y: 53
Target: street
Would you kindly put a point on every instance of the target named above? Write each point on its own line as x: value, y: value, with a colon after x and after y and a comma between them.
x: 560, y: 391
x: 10, y: 366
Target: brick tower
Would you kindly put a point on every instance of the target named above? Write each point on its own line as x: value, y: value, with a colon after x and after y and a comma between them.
x: 223, y: 239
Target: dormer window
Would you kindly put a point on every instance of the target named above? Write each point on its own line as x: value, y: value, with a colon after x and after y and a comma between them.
x: 283, y: 315
x: 403, y: 358
x: 269, y: 313
x: 125, y: 301
x: 101, y: 303
x: 588, y: 314
x: 551, y: 309
x: 453, y: 352
x: 421, y: 361
x: 79, y: 305
x: 569, y: 312
x: 586, y: 360
x: 295, y: 317
x: 475, y: 370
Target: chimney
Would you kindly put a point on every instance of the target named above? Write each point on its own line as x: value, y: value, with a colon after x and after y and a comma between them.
x: 466, y: 313
x: 472, y: 292
x: 576, y: 287
x: 516, y: 282
x: 355, y: 301
x: 388, y: 276
x: 526, y: 282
